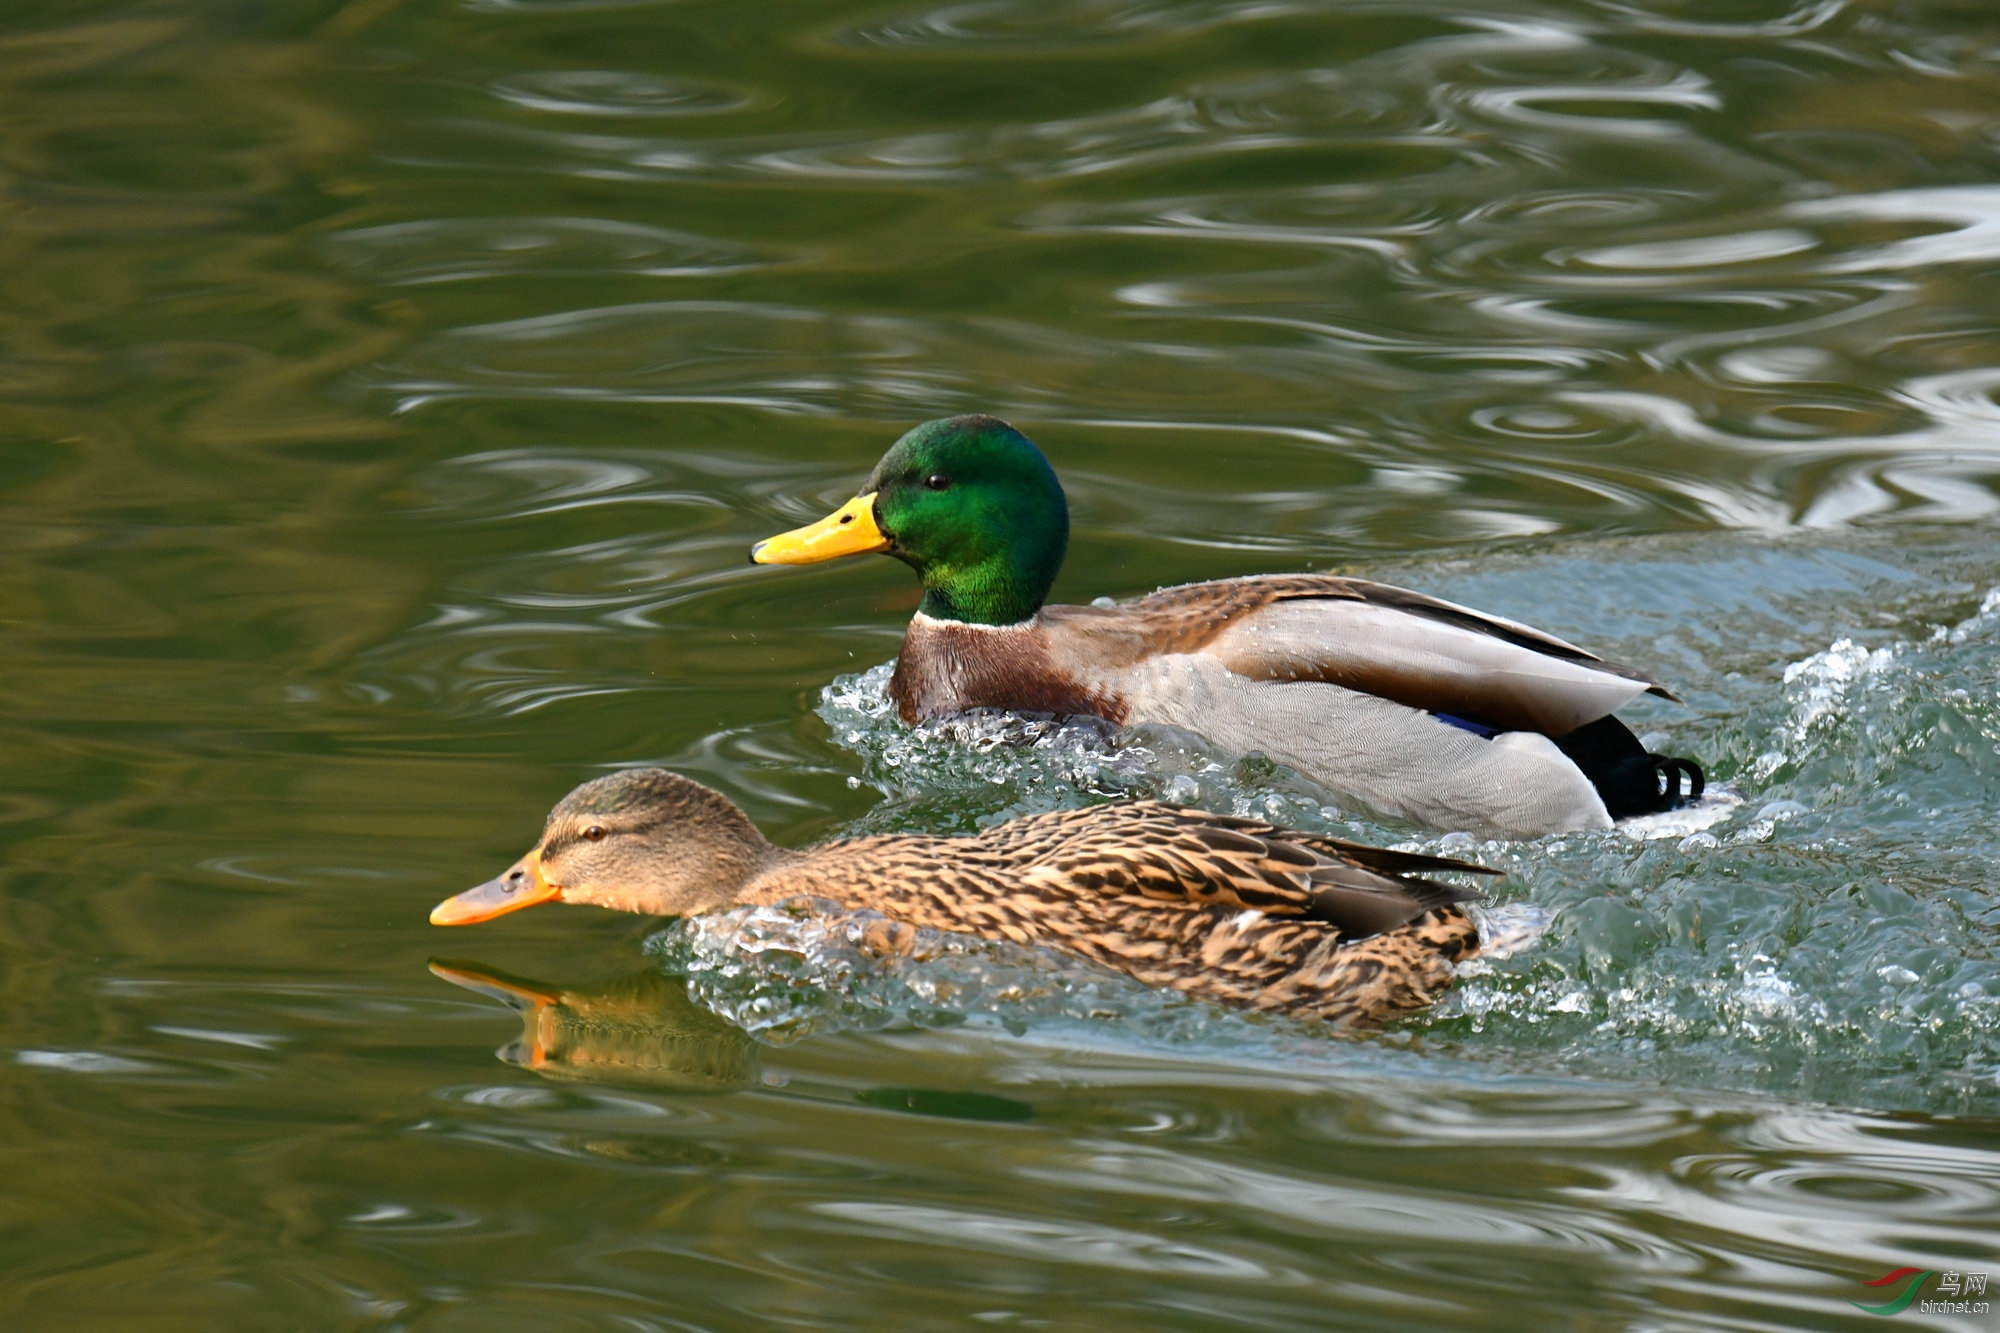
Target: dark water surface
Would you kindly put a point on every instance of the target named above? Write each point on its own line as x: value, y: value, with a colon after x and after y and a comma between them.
x: 389, y: 393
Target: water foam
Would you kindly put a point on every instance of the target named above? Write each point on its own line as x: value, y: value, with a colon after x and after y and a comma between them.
x: 1817, y: 925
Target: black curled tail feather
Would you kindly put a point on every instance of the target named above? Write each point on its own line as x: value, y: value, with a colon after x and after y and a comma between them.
x: 1630, y: 780
x: 1671, y: 771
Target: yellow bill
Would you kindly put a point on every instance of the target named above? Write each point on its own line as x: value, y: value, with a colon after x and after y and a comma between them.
x: 522, y: 886
x: 848, y: 530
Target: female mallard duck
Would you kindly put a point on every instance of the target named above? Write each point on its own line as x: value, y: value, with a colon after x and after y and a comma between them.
x: 1418, y: 708
x: 1225, y: 909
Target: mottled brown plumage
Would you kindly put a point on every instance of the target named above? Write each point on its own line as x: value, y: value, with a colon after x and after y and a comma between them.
x: 1225, y: 909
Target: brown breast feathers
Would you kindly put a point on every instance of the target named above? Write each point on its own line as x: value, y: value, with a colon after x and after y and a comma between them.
x: 946, y: 668
x: 1066, y: 659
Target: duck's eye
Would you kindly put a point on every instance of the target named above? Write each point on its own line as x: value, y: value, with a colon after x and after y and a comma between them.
x: 595, y: 833
x: 936, y: 481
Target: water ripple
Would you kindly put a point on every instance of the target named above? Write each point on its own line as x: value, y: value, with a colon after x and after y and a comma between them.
x: 588, y: 92
x: 457, y: 249
x: 1523, y: 302
x: 1970, y: 214
x: 1024, y: 25
x: 1062, y: 1241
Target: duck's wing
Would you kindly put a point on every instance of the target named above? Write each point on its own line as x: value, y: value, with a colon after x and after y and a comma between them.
x: 1159, y: 855
x: 1419, y: 651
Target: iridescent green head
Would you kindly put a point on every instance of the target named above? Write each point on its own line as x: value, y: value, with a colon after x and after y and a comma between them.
x: 967, y: 502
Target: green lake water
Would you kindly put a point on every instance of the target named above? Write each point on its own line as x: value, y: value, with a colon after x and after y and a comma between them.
x: 390, y: 392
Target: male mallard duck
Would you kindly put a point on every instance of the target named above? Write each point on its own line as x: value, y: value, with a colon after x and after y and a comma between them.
x: 1418, y: 708
x: 1225, y: 909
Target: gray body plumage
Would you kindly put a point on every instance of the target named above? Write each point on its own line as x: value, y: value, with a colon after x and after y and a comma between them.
x: 1394, y: 760
x: 1340, y: 679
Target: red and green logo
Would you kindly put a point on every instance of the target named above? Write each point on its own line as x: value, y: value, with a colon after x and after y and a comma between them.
x: 1915, y: 1278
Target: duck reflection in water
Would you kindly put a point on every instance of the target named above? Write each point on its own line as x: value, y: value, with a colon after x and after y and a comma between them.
x: 638, y: 1030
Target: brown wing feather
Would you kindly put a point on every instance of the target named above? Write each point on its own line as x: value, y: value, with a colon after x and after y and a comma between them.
x: 1172, y: 855
x: 1359, y: 890
x: 1387, y: 862
x: 1216, y: 603
x: 1186, y: 618
x: 1419, y: 651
